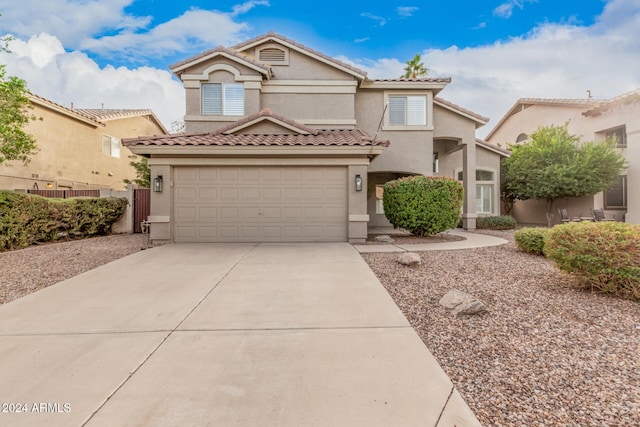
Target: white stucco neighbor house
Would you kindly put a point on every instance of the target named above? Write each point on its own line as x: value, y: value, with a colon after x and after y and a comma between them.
x: 592, y: 120
x: 285, y: 144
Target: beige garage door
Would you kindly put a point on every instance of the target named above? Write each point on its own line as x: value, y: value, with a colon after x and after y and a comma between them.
x: 260, y: 204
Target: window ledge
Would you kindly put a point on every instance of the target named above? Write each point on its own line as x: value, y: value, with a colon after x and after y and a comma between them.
x: 408, y: 128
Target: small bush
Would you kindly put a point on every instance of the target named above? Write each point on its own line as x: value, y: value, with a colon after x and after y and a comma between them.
x: 531, y: 240
x: 26, y: 219
x: 423, y: 205
x: 603, y: 256
x: 503, y: 222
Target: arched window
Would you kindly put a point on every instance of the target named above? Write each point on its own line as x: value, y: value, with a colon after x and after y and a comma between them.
x: 521, y: 138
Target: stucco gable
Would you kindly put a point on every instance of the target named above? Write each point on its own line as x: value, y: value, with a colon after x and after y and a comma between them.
x: 220, y: 52
x: 267, y: 123
x: 272, y: 37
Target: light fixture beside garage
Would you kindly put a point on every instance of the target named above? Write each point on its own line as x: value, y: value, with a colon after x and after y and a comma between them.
x: 157, y: 184
x: 358, y: 183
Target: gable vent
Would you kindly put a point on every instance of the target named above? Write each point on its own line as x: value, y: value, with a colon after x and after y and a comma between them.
x: 272, y: 55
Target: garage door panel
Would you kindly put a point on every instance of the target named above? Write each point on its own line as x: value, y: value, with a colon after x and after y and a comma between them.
x: 207, y: 213
x: 266, y: 203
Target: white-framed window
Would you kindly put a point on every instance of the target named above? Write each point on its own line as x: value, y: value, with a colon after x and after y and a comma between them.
x: 379, y: 199
x: 407, y: 110
x: 110, y: 146
x: 223, y: 99
x: 485, y: 184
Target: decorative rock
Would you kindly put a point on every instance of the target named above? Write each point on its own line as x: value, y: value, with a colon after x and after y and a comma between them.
x: 462, y: 303
x: 384, y: 238
x: 409, y: 258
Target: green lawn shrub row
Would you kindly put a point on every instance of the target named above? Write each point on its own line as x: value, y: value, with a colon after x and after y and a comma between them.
x: 502, y: 222
x: 423, y: 205
x: 603, y: 256
x: 26, y: 219
x: 531, y: 240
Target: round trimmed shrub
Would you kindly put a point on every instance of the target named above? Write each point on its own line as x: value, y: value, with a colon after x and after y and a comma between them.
x: 423, y: 205
x: 603, y: 256
x: 531, y: 240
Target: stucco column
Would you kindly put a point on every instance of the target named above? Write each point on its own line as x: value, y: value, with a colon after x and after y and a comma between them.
x: 633, y: 176
x: 358, y: 217
x: 469, y: 214
x: 160, y: 214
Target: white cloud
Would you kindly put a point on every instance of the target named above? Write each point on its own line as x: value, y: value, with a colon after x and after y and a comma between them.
x: 70, y: 20
x: 505, y: 10
x: 381, y: 21
x: 552, y: 61
x: 82, y: 24
x: 73, y: 77
x: 407, y: 10
x: 192, y: 29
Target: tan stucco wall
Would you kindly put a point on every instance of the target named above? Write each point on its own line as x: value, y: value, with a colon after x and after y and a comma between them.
x: 71, y: 156
x: 589, y: 128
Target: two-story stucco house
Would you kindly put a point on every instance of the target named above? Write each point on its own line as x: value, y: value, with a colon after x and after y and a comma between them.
x: 78, y: 148
x: 284, y: 143
x: 591, y: 120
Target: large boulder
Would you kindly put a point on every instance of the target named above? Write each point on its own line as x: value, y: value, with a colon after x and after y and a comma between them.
x: 409, y: 258
x: 462, y: 303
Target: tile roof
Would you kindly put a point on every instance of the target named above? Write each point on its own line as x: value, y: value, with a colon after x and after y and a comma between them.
x: 579, y: 102
x: 488, y: 145
x: 222, y: 49
x: 272, y: 34
x: 101, y: 114
x: 613, y: 102
x: 69, y: 111
x: 323, y: 138
x: 418, y: 80
x: 461, y: 109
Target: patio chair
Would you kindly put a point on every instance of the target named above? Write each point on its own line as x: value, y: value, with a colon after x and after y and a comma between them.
x: 599, y: 215
x: 564, y: 216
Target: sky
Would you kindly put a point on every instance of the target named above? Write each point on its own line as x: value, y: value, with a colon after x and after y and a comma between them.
x: 116, y: 53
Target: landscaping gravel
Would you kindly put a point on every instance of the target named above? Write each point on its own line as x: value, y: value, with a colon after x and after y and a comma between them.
x: 28, y: 270
x: 543, y: 355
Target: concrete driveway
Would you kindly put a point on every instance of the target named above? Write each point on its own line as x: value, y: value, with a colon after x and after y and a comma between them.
x: 221, y: 335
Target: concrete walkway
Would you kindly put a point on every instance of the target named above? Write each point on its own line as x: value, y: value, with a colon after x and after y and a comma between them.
x: 221, y: 335
x: 471, y: 241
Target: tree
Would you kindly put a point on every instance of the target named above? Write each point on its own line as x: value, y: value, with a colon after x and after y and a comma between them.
x: 555, y: 165
x: 143, y: 172
x: 415, y: 68
x: 15, y: 143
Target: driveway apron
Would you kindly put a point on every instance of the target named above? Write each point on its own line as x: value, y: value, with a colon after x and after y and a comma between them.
x: 221, y: 335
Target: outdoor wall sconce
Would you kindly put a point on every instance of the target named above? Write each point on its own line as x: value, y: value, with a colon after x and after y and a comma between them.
x: 358, y: 183
x: 157, y: 184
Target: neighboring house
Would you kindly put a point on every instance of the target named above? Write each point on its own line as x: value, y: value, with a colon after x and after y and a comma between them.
x: 591, y: 120
x: 78, y: 148
x: 284, y: 143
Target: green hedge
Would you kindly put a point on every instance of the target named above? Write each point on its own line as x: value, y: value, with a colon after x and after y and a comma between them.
x: 26, y: 219
x: 604, y: 256
x: 531, y: 240
x: 423, y: 205
x: 503, y: 222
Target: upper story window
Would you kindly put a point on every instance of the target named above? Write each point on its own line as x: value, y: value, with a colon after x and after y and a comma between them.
x: 110, y: 146
x: 408, y: 110
x: 223, y: 99
x: 620, y: 135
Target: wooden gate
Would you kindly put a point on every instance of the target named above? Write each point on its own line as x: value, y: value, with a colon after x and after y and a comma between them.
x: 141, y: 207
